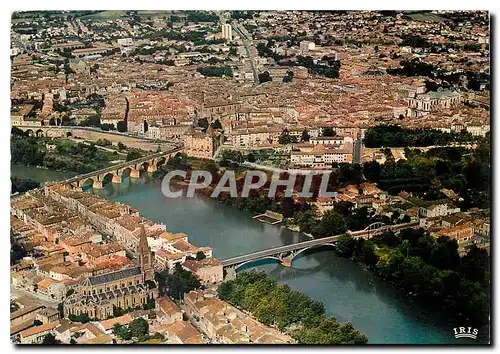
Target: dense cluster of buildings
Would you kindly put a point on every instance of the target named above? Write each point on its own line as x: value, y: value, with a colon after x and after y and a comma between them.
x: 262, y: 81
x: 162, y: 101
x: 95, y: 258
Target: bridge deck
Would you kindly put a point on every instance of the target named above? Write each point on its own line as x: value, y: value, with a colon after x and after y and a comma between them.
x: 305, y: 244
x: 275, y: 250
x: 120, y: 165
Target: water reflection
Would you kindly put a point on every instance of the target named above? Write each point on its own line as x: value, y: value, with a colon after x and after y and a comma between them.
x: 348, y: 291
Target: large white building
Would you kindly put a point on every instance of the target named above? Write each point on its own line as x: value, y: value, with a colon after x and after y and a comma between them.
x: 227, y: 32
x: 306, y: 46
x: 320, y: 156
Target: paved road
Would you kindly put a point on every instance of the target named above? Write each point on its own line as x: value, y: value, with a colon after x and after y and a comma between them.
x: 246, y: 44
x: 309, y: 243
x: 15, y: 292
x: 120, y: 165
x: 280, y: 249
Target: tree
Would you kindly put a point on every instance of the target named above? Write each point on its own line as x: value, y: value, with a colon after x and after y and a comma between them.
x: 288, y: 77
x: 475, y: 264
x: 139, y: 327
x: 83, y: 318
x: 329, y: 132
x: 278, y: 305
x: 251, y: 157
x: 19, y: 185
x: 264, y: 77
x: 92, y: 121
x: 305, y: 220
x: 121, y: 146
x: 181, y: 282
x: 107, y: 127
x: 365, y: 252
x: 121, y: 126
x: 133, y: 155
x: 285, y: 138
x: 346, y: 245
x: 332, y: 223
x: 50, y: 339
x: 122, y: 332
x: 305, y: 136
x: 200, y: 255
x: 371, y: 170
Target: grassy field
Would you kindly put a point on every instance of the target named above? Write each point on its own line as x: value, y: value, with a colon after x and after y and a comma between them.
x: 426, y: 16
x: 106, y: 15
x: 114, y: 14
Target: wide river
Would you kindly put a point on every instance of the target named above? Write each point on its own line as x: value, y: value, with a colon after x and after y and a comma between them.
x: 348, y: 291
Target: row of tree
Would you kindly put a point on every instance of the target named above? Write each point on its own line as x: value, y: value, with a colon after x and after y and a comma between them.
x: 429, y: 269
x: 395, y: 136
x: 288, y: 310
x: 68, y: 156
x: 21, y: 185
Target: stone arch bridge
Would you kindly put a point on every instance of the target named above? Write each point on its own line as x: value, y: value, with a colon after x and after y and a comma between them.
x: 114, y: 173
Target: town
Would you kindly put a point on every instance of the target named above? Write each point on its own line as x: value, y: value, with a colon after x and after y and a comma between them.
x: 364, y: 133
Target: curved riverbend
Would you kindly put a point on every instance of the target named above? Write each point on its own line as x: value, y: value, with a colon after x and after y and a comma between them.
x: 348, y: 291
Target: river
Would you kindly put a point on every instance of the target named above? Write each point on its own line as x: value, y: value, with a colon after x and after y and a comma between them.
x: 41, y: 175
x: 348, y: 291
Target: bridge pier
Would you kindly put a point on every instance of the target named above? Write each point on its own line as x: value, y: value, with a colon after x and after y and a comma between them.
x: 117, y: 179
x: 151, y: 168
x: 230, y: 273
x: 287, y: 262
x: 97, y: 185
x: 135, y: 174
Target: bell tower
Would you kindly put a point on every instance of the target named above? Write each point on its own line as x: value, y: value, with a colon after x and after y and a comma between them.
x: 145, y: 256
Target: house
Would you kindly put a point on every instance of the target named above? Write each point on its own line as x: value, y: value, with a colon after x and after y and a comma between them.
x: 208, y: 270
x: 47, y: 315
x: 167, y: 311
x: 80, y: 333
x: 181, y: 332
x: 462, y: 233
x: 36, y: 334
x: 437, y: 209
x: 107, y: 325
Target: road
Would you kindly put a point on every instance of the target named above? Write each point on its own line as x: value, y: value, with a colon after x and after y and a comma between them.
x: 120, y: 165
x: 17, y: 293
x: 309, y: 243
x: 276, y: 250
x: 246, y: 44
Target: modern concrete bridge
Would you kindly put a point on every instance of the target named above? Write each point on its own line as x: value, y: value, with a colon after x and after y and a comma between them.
x: 287, y: 253
x: 114, y: 173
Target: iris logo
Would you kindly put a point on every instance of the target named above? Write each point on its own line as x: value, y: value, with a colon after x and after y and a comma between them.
x: 465, y: 332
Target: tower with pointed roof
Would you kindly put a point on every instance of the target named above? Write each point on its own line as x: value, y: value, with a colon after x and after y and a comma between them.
x: 145, y: 256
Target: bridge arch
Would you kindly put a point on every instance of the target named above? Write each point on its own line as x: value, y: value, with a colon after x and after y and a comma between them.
x: 256, y: 260
x: 161, y: 161
x: 309, y: 248
x: 374, y: 226
x: 144, y: 166
x: 39, y: 133
x: 29, y: 132
x: 124, y: 173
x: 107, y: 178
x: 89, y: 182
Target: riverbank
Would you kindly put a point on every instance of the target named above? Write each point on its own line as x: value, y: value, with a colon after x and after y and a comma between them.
x: 431, y: 273
x: 348, y: 291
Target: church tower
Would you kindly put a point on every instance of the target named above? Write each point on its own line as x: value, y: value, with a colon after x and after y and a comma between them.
x: 145, y: 256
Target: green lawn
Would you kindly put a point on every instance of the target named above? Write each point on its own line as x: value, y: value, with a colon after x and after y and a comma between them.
x: 106, y: 15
